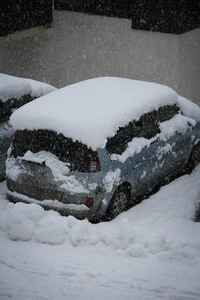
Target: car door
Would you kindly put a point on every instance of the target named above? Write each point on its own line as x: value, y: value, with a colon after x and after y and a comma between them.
x: 174, y: 149
x: 144, y: 158
x: 158, y: 158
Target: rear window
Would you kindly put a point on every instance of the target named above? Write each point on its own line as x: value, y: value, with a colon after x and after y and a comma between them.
x: 74, y: 153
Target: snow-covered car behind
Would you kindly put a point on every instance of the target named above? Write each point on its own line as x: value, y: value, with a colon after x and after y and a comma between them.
x: 15, y: 92
x: 94, y: 148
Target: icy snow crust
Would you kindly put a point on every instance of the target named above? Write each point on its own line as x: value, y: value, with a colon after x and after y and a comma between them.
x: 93, y: 110
x: 15, y: 87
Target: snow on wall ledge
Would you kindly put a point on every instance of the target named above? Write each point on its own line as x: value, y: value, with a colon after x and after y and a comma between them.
x: 92, y: 110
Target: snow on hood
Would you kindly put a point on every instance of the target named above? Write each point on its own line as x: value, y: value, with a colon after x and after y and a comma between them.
x: 93, y: 110
x: 15, y: 87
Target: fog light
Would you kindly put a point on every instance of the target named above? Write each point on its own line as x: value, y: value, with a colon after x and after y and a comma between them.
x: 89, y: 202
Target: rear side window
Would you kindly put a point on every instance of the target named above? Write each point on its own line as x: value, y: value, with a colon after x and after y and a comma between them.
x: 166, y: 112
x: 147, y: 126
x: 6, y: 108
x: 74, y: 153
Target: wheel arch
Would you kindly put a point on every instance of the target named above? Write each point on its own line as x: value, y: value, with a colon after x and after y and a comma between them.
x: 125, y: 186
x: 194, y: 158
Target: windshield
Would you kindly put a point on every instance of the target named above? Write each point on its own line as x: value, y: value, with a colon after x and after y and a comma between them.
x: 74, y: 153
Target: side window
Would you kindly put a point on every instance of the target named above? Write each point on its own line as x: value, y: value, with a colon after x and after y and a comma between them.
x: 7, y: 107
x: 118, y: 143
x: 16, y: 103
x: 167, y: 112
x: 147, y: 126
x: 5, y: 112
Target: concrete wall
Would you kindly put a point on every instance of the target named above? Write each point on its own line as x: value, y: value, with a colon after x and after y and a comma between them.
x: 189, y: 65
x: 81, y: 46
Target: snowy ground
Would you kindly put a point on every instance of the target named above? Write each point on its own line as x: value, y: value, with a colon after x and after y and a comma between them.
x: 150, y: 252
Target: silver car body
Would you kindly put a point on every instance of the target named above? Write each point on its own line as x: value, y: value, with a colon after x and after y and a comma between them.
x: 35, y: 182
x: 138, y: 150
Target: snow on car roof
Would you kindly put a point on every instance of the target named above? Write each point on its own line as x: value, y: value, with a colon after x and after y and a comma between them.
x: 16, y: 87
x: 91, y: 111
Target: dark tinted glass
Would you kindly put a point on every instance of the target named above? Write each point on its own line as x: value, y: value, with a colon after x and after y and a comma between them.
x: 6, y: 108
x: 166, y: 112
x: 64, y: 148
x: 147, y: 126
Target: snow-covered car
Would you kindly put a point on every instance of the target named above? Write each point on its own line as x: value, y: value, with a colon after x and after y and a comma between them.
x: 15, y: 92
x: 94, y: 148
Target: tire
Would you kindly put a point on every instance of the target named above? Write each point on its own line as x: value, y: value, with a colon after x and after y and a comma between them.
x: 119, y: 203
x: 194, y: 159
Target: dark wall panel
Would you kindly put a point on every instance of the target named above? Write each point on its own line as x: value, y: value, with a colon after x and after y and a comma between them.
x: 16, y: 15
x: 166, y: 16
x: 170, y: 16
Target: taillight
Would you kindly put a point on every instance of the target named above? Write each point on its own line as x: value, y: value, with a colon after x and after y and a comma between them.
x: 94, y: 165
x: 89, y: 202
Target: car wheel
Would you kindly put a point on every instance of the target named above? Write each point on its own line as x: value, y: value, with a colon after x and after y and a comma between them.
x: 194, y: 159
x: 119, y: 203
